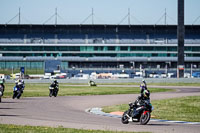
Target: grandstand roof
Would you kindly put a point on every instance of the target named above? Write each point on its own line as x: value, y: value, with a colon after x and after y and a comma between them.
x: 91, y: 26
x: 85, y: 27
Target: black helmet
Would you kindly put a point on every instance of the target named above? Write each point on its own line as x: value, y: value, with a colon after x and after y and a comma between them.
x: 146, y: 93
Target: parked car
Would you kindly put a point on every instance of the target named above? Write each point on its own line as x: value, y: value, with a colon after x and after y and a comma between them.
x: 187, y: 75
x: 81, y: 76
x: 196, y: 74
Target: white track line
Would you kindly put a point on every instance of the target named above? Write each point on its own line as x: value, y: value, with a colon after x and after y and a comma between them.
x: 98, y: 111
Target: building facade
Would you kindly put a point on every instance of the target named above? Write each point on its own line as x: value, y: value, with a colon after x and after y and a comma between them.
x: 97, y: 46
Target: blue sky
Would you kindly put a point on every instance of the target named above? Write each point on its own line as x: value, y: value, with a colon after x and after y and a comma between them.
x: 105, y: 11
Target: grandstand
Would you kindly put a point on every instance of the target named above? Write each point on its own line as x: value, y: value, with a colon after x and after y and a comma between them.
x: 97, y: 47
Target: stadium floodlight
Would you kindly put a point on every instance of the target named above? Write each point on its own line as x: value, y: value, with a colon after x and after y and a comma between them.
x: 91, y: 15
x: 19, y: 17
x: 127, y: 16
x: 196, y: 20
x: 56, y: 15
x: 165, y: 16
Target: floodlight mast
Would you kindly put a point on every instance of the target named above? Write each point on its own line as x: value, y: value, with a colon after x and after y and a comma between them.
x: 56, y: 14
x: 165, y: 16
x: 180, y: 35
x: 19, y: 17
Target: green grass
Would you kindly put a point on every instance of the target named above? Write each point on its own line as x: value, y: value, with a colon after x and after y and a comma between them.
x: 9, y: 71
x: 27, y: 71
x: 34, y: 71
x: 114, y: 108
x: 38, y: 129
x: 34, y: 90
x: 157, y: 84
x: 181, y: 109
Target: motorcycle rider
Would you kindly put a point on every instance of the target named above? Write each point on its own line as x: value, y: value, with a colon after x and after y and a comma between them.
x: 143, y: 87
x: 54, y: 88
x: 2, y: 84
x: 20, y: 83
x: 92, y: 83
x: 54, y: 84
x: 145, y: 96
x: 18, y: 89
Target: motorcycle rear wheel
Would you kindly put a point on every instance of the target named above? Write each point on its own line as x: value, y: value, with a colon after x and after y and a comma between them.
x: 55, y: 93
x: 125, y: 118
x: 145, y: 117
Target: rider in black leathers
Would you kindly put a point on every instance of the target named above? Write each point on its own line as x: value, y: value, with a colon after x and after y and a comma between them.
x: 54, y: 84
x: 145, y: 96
x: 2, y: 84
x: 20, y: 83
x: 54, y: 88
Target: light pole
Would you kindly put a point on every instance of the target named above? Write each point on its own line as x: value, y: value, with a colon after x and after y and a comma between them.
x: 191, y: 70
x: 180, y: 35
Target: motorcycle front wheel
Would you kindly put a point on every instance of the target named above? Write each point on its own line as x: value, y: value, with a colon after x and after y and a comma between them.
x: 50, y: 93
x: 14, y: 95
x: 18, y: 94
x: 145, y: 117
x: 1, y: 94
x: 125, y: 118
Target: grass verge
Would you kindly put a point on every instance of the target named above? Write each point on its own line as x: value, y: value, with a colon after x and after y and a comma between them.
x: 181, y: 109
x: 156, y: 84
x: 27, y: 71
x: 34, y: 90
x: 38, y: 129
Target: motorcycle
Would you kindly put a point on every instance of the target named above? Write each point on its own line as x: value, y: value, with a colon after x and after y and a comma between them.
x: 53, y: 90
x: 91, y: 83
x: 17, y: 92
x: 141, y: 113
x: 1, y: 91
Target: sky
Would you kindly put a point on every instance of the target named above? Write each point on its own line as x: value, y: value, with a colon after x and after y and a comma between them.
x: 105, y: 11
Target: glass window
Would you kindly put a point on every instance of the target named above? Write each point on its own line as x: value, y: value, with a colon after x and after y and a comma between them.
x: 49, y: 48
x: 98, y: 48
x: 64, y: 65
x: 38, y: 48
x: 24, y: 48
x: 154, y: 55
x: 111, y: 48
x: 2, y: 65
x: 171, y: 48
x: 132, y: 48
x: 195, y: 48
x: 148, y: 48
x: 160, y: 48
x: 124, y: 48
x: 12, y: 65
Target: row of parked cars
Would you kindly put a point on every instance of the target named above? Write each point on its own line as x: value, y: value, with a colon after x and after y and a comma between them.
x: 95, y: 75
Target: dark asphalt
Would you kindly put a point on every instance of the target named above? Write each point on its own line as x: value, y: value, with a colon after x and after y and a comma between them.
x: 69, y: 111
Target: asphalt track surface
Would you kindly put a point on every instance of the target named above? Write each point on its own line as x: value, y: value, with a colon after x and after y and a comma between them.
x: 69, y: 112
